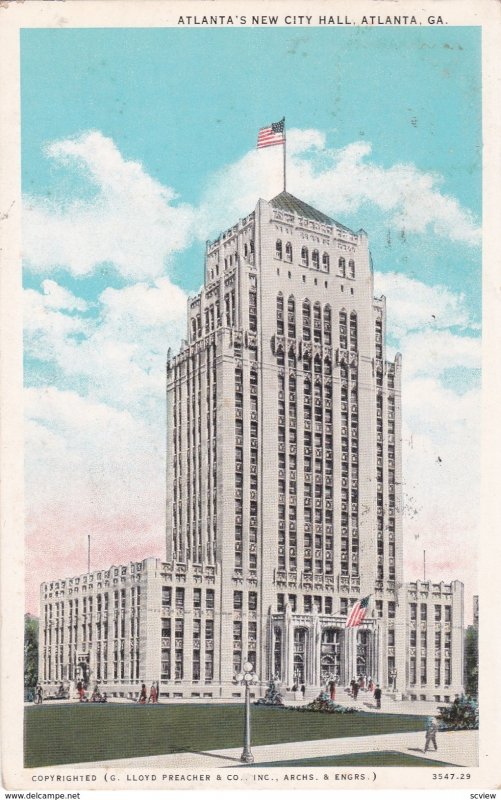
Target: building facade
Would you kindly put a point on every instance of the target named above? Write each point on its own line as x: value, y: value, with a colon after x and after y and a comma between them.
x: 284, y: 490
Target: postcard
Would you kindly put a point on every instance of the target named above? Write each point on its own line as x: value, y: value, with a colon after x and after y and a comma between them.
x: 250, y: 392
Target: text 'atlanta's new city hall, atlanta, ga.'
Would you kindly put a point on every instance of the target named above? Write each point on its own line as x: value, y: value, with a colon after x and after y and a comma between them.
x: 284, y: 494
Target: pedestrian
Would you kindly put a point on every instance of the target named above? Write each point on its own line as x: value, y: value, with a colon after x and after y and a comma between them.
x: 431, y: 733
x: 332, y: 688
x: 142, y: 696
x: 39, y: 694
x: 370, y: 685
x: 153, y: 693
x: 303, y: 690
x: 80, y: 690
x: 354, y: 689
x: 377, y: 696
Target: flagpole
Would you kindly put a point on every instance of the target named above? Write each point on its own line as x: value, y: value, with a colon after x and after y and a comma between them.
x: 285, y: 161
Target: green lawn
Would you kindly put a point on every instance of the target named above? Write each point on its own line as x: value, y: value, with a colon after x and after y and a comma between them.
x: 71, y: 733
x: 389, y: 758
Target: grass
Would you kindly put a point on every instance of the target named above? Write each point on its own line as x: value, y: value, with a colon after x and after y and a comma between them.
x: 72, y: 733
x: 384, y: 758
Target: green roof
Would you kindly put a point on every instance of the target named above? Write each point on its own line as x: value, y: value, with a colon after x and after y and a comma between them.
x: 287, y: 202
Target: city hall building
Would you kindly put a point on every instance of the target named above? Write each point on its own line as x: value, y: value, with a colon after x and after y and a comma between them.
x: 284, y: 493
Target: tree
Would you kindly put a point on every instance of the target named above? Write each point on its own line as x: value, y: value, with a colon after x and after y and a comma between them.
x: 30, y: 651
x: 462, y: 714
x: 471, y: 661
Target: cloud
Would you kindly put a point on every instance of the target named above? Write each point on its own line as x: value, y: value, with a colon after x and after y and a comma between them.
x: 93, y: 469
x: 432, y: 352
x: 441, y: 455
x: 338, y: 181
x: 120, y: 353
x: 414, y: 305
x: 131, y: 221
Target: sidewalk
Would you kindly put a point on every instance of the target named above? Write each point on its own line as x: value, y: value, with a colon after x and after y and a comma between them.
x: 457, y: 748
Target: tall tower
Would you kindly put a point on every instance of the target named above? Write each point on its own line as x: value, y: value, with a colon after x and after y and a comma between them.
x: 284, y: 450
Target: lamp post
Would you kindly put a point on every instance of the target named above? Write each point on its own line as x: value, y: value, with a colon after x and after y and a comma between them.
x: 247, y: 677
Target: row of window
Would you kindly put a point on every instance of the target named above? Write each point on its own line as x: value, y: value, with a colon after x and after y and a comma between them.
x: 286, y: 253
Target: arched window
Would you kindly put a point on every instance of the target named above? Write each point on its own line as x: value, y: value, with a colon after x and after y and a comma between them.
x: 278, y: 249
x: 351, y: 268
x: 280, y: 315
x: 342, y: 267
x: 317, y: 324
x: 325, y: 261
x: 315, y: 259
x: 288, y: 252
x: 306, y: 321
x: 304, y: 256
x: 291, y: 318
x: 353, y: 331
x: 327, y: 325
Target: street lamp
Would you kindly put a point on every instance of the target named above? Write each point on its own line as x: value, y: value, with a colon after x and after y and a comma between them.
x: 247, y: 677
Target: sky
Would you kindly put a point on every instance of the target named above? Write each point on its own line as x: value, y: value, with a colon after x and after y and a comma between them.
x: 139, y: 145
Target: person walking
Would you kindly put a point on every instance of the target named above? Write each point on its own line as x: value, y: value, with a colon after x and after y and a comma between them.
x: 153, y: 693
x: 142, y: 696
x: 431, y: 733
x: 377, y: 696
x: 332, y: 688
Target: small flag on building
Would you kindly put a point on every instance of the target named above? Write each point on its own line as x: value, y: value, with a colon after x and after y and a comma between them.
x: 358, y: 612
x: 272, y: 134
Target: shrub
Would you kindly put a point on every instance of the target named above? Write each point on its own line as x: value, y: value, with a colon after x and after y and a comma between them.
x: 460, y: 715
x: 325, y: 705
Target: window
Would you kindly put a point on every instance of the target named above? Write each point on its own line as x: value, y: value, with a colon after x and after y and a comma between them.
x: 379, y: 608
x: 391, y: 609
x: 291, y: 318
x: 209, y: 598
x: 413, y: 638
x: 315, y: 259
x: 237, y: 599
x: 447, y: 613
x: 391, y: 637
x: 197, y: 598
x: 438, y: 613
x: 278, y: 249
x: 344, y: 606
x: 180, y: 598
x: 166, y: 596
x: 325, y: 261
x: 413, y: 610
x: 288, y: 252
x: 424, y: 612
x: 280, y: 315
x: 342, y: 267
x: 304, y: 256
x: 351, y: 268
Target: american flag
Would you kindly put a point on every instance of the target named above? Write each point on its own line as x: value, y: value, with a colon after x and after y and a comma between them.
x: 358, y: 612
x: 273, y: 134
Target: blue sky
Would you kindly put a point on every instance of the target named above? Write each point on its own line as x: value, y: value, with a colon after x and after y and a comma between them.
x: 139, y: 144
